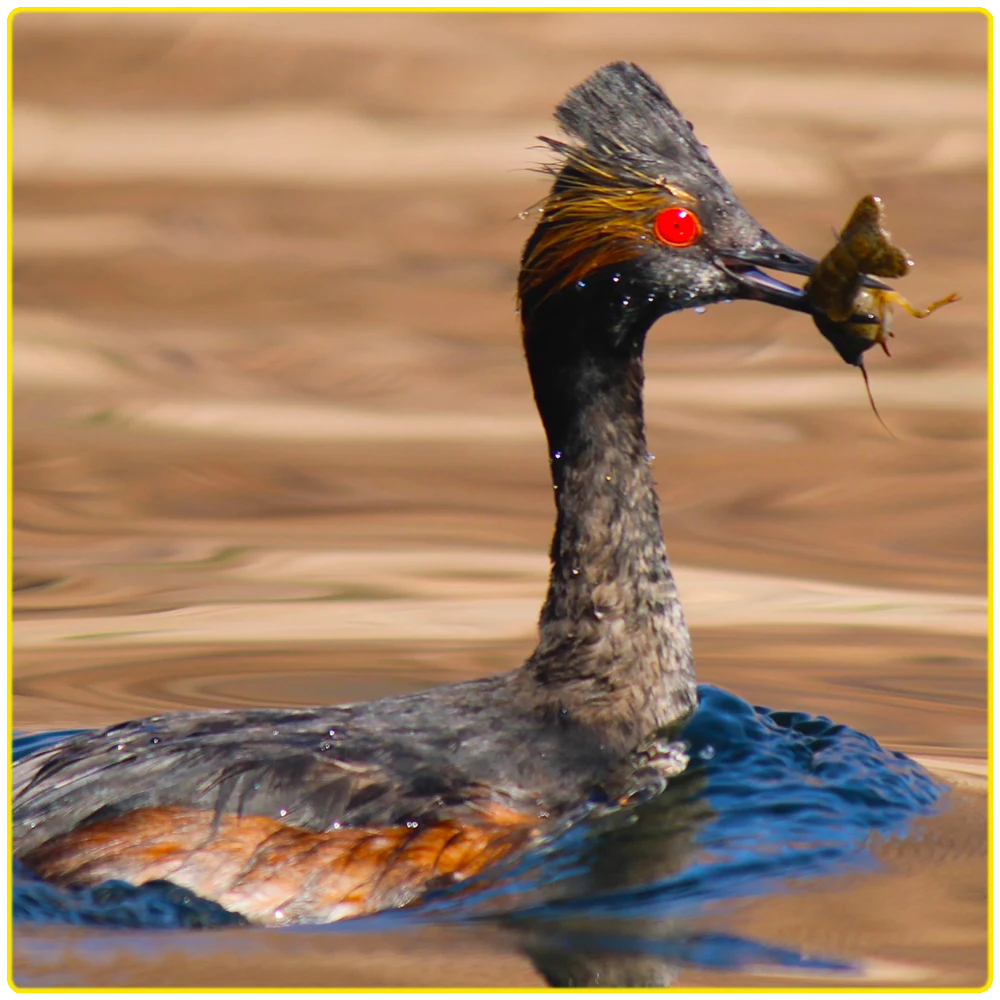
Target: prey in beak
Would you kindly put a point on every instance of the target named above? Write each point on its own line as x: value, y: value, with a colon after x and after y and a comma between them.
x: 745, y: 269
x: 852, y: 309
x: 640, y: 222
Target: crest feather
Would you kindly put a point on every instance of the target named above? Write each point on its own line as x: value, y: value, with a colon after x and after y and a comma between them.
x: 622, y: 116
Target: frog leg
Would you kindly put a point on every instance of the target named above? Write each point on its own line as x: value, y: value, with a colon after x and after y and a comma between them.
x: 896, y: 299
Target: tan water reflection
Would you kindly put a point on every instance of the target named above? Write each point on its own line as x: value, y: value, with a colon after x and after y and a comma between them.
x: 275, y: 444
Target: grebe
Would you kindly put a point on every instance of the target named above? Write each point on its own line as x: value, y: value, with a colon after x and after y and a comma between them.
x: 311, y: 815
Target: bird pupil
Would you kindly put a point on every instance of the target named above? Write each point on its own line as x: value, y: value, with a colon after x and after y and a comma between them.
x: 678, y: 227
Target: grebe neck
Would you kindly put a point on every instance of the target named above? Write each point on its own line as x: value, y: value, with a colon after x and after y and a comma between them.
x: 614, y: 651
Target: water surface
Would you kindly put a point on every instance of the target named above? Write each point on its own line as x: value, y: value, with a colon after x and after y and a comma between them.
x: 275, y: 446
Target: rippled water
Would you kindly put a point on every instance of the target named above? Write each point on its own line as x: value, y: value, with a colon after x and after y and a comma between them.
x: 274, y: 445
x: 769, y: 797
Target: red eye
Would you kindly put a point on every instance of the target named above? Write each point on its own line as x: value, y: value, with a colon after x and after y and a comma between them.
x: 678, y: 227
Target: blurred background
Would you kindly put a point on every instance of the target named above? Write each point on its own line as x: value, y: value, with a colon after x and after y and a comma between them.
x: 274, y: 439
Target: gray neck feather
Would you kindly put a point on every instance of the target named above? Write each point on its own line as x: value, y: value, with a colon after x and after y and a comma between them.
x: 614, y: 650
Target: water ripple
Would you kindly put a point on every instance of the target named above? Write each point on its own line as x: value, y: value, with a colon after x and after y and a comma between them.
x: 771, y: 796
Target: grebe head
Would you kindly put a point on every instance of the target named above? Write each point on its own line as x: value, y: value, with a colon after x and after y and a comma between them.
x: 639, y: 221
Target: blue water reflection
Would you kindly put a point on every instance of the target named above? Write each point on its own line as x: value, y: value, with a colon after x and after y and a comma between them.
x: 770, y: 796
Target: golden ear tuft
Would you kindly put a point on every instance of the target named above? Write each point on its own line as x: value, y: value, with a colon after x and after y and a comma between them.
x: 594, y: 218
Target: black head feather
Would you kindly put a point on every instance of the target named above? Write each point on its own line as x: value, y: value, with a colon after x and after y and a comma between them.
x: 623, y: 117
x: 633, y: 157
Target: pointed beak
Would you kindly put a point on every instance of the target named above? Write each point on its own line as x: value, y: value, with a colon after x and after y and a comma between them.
x: 744, y: 268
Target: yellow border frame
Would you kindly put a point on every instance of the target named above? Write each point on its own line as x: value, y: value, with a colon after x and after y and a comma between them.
x: 534, y: 9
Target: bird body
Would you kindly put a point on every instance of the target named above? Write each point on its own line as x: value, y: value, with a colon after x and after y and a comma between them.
x: 310, y: 815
